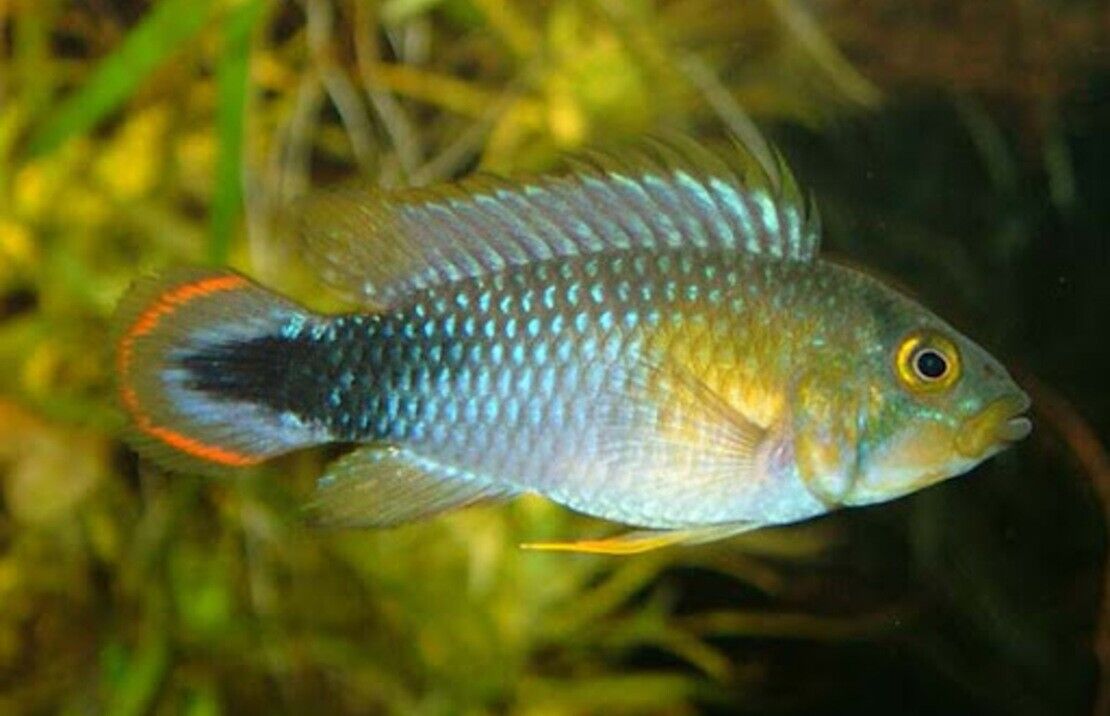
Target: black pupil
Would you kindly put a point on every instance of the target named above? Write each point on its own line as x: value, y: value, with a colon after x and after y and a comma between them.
x: 931, y: 364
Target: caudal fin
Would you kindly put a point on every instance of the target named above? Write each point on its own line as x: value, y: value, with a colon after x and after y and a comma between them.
x: 200, y: 356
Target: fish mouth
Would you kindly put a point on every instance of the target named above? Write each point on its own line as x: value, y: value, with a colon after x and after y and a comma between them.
x: 1000, y: 423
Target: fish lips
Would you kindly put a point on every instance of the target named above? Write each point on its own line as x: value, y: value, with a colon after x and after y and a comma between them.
x: 997, y: 425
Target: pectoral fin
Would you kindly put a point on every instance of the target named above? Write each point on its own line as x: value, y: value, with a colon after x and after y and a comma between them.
x: 666, y: 449
x: 643, y: 540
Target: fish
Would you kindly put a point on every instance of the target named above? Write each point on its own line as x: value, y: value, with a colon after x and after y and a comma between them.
x: 649, y: 336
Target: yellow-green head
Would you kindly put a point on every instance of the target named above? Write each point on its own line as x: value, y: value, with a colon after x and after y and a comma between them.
x: 936, y: 404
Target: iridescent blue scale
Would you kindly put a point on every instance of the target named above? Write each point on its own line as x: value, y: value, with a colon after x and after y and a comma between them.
x: 489, y: 372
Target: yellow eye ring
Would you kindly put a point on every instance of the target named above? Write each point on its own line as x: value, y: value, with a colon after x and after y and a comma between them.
x: 927, y: 362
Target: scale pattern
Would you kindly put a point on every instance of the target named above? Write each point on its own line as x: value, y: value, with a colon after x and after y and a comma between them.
x: 524, y: 376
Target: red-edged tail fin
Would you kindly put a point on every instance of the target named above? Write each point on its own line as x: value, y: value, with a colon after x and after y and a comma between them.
x: 195, y: 350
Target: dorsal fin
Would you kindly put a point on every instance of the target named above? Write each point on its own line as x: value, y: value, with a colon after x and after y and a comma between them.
x: 664, y: 193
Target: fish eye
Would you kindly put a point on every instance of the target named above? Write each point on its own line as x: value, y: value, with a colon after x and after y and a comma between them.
x: 927, y: 362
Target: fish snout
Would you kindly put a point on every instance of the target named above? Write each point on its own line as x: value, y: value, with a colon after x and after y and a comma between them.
x: 1002, y: 421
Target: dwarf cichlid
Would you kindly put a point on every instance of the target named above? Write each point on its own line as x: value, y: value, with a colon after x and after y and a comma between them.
x: 649, y: 338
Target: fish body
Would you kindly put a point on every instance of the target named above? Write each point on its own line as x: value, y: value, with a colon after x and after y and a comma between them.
x: 654, y: 342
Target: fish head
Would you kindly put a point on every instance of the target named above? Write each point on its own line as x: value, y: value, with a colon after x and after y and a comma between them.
x: 938, y: 405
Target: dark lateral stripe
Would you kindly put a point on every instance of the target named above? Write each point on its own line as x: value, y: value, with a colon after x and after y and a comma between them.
x: 282, y: 374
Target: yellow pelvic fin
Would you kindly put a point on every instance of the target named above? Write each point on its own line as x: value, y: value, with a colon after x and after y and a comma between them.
x: 639, y: 541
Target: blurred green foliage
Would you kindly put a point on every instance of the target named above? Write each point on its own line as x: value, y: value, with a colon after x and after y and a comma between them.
x: 954, y: 145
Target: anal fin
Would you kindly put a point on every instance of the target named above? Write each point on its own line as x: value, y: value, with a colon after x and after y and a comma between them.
x: 383, y: 485
x: 639, y: 541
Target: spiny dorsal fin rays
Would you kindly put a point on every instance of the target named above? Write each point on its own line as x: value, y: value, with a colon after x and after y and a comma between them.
x: 664, y: 194
x: 741, y: 202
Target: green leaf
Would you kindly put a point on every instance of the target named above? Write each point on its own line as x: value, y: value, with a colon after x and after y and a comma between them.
x: 395, y: 12
x: 637, y: 693
x: 136, y: 677
x: 232, y: 82
x: 168, y: 26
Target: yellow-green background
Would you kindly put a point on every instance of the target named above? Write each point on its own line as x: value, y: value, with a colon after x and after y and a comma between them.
x: 960, y: 147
